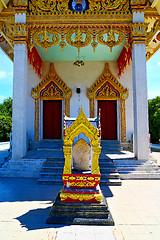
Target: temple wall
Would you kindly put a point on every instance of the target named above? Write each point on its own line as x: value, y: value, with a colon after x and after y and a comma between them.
x: 32, y: 82
x: 84, y: 77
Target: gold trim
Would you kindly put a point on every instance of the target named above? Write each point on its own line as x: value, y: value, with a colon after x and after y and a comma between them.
x: 123, y: 120
x: 107, y: 79
x: 77, y: 35
x: 60, y: 8
x: 139, y: 31
x: 80, y: 197
x: 81, y: 125
x: 50, y: 94
x: 51, y: 77
x: 36, y: 121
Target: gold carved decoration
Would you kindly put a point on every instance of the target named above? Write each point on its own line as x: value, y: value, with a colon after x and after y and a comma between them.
x: 153, y: 31
x: 50, y: 6
x: 51, y: 93
x: 107, y: 87
x: 51, y: 77
x: 138, y: 5
x: 14, y: 33
x: 79, y: 40
x: 53, y: 88
x: 77, y: 36
x: 20, y: 6
x: 46, y: 38
x: 20, y: 33
x: 7, y: 30
x: 81, y: 125
x: 36, y: 121
x: 59, y: 7
x: 111, y: 38
x: 107, y: 92
x: 80, y: 197
x: 139, y: 31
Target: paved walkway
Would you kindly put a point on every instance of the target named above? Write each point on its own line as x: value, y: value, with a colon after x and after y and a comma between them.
x: 25, y: 205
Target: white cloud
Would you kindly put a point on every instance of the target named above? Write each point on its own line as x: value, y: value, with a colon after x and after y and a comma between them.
x: 3, y: 74
x: 158, y: 64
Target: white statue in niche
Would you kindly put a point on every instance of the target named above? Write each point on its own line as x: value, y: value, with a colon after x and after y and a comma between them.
x: 81, y: 154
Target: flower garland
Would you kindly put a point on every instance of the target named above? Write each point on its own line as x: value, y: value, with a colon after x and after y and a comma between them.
x: 35, y: 60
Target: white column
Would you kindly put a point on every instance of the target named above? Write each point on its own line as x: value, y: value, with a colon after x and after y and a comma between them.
x: 140, y: 103
x: 19, y: 102
x: 140, y: 100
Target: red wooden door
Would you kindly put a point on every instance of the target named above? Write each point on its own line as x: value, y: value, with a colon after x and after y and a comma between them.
x: 108, y: 119
x: 52, y: 119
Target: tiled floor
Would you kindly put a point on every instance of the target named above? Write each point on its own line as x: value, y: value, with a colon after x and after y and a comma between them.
x: 25, y: 205
x: 136, y: 209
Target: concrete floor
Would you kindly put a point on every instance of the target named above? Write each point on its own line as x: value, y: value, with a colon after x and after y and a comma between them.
x: 25, y: 205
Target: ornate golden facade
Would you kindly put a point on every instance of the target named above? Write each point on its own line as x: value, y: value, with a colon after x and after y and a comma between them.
x: 50, y: 88
x: 81, y: 125
x: 107, y: 87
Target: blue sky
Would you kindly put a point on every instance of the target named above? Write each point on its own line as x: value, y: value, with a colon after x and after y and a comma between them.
x: 6, y: 76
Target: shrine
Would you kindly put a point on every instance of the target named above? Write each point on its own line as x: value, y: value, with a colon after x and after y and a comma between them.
x: 73, y: 53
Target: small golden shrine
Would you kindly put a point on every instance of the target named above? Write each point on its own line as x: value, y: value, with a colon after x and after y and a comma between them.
x: 81, y: 186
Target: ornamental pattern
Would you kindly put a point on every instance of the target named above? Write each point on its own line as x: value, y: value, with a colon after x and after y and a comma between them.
x: 106, y: 91
x: 67, y: 7
x: 107, y: 87
x: 51, y: 91
x: 77, y: 36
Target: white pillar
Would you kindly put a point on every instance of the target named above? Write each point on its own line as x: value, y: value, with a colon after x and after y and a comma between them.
x: 19, y: 102
x: 140, y: 103
x: 140, y: 100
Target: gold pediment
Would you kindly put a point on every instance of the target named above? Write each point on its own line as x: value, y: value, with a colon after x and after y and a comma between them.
x: 51, y: 87
x: 107, y: 90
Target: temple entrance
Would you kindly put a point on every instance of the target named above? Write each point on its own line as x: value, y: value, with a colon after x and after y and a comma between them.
x: 52, y: 119
x: 108, y: 119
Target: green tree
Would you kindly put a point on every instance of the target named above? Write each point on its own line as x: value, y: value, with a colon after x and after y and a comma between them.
x: 5, y: 119
x: 154, y: 119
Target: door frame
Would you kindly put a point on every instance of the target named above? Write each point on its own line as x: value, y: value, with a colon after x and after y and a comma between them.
x: 107, y: 87
x: 50, y: 88
x: 62, y: 117
x: 117, y: 135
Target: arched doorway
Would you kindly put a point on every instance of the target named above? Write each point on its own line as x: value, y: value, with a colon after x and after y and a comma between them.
x: 52, y: 119
x: 107, y: 91
x: 108, y: 119
x: 51, y: 91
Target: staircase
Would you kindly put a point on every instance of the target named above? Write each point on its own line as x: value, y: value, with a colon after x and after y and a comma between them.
x: 130, y: 168
x: 108, y: 169
x: 52, y: 169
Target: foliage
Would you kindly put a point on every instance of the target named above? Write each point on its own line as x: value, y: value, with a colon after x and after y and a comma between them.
x: 5, y: 119
x: 154, y: 119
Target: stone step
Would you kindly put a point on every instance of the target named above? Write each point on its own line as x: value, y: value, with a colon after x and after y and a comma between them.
x: 110, y: 176
x: 56, y: 143
x: 107, y: 169
x: 80, y: 213
x: 140, y: 175
x: 111, y: 182
x: 54, y: 149
x: 52, y: 169
x: 107, y: 142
